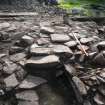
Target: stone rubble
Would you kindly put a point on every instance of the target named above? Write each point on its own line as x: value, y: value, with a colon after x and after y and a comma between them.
x: 48, y: 46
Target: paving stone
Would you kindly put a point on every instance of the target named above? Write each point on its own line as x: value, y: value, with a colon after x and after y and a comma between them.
x: 12, y: 28
x: 4, y: 36
x: 59, y: 49
x: 4, y: 25
x: 62, y: 29
x: 59, y: 38
x: 15, y: 49
x: 80, y: 85
x: 2, y: 55
x: 9, y: 67
x: 47, y: 30
x: 27, y: 40
x: 20, y: 74
x: 42, y: 35
x: 102, y: 80
x: 99, y: 59
x: 101, y: 45
x: 70, y: 69
x: 78, y: 35
x: 43, y: 41
x: 47, y: 23
x: 71, y: 44
x: 92, y: 55
x: 102, y: 74
x: 34, y: 46
x: 86, y: 40
x: 41, y: 51
x: 17, y: 57
x: 54, y: 49
x: 43, y: 61
x: 31, y: 82
x: 11, y: 81
x: 84, y: 46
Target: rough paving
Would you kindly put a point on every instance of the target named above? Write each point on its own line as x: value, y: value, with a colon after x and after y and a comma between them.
x: 30, y: 46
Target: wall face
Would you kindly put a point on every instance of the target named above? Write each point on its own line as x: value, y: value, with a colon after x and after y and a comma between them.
x: 20, y: 3
x: 17, y: 2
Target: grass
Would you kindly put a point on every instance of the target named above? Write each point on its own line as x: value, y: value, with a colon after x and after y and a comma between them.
x: 84, y: 5
x: 79, y: 3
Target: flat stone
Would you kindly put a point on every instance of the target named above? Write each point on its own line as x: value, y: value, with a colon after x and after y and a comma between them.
x: 17, y: 57
x: 43, y: 61
x: 47, y: 30
x: 43, y: 41
x: 61, y: 29
x: 9, y: 67
x: 2, y: 55
x: 48, y: 23
x: 83, y: 46
x: 31, y: 82
x: 27, y: 95
x: 27, y: 40
x: 12, y: 28
x: 15, y: 49
x: 70, y: 69
x: 99, y: 59
x: 101, y: 45
x: 54, y: 49
x: 4, y: 36
x: 59, y: 49
x: 80, y: 85
x: 34, y: 46
x: 4, y: 25
x: 42, y: 35
x: 59, y: 38
x: 41, y: 51
x: 20, y: 73
x: 102, y: 74
x: 22, y: 62
x: 102, y: 80
x: 86, y: 40
x: 92, y: 55
x: 71, y: 43
x: 99, y: 99
x: 11, y: 81
x: 78, y: 35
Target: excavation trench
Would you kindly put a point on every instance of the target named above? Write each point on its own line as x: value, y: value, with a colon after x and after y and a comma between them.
x: 32, y: 39
x: 58, y: 89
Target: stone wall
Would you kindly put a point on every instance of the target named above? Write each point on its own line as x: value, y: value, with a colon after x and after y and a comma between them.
x: 26, y: 3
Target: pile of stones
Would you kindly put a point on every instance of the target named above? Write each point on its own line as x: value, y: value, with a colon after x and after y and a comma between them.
x: 51, y: 47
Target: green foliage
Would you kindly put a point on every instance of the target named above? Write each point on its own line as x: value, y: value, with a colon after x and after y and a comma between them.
x: 84, y: 5
x: 67, y: 4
